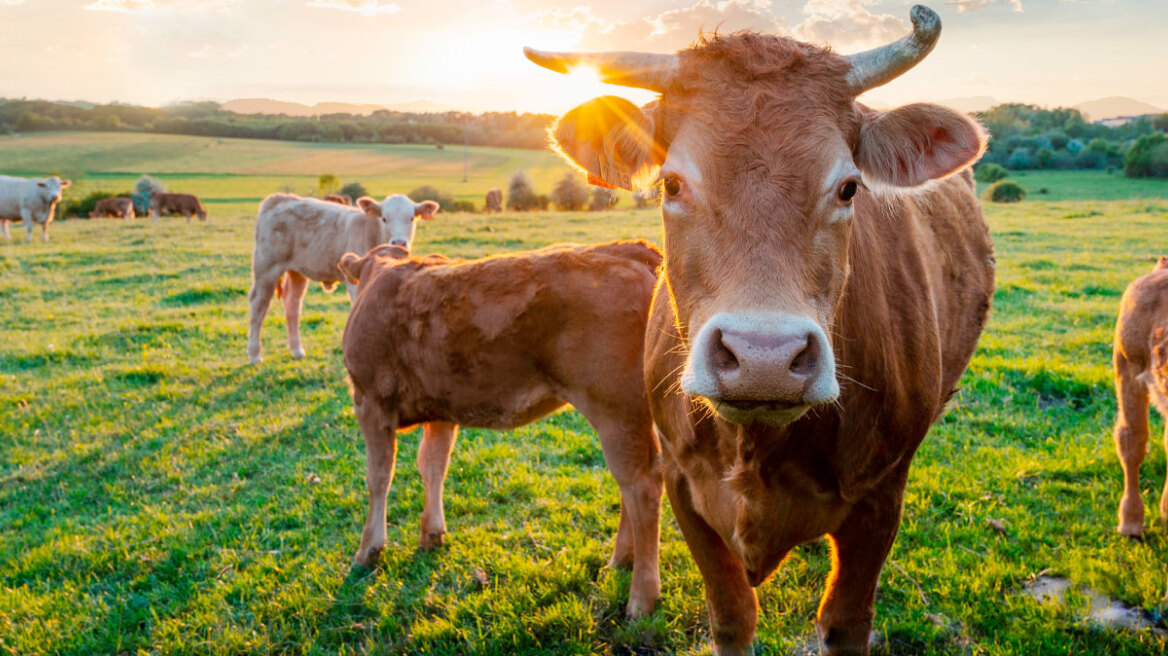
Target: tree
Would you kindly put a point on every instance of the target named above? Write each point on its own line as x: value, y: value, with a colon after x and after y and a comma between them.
x: 1043, y: 157
x: 602, y: 199
x: 144, y: 188
x: 327, y: 183
x: 1148, y: 157
x: 444, y: 199
x: 354, y: 190
x: 989, y: 172
x: 521, y: 194
x: 570, y: 193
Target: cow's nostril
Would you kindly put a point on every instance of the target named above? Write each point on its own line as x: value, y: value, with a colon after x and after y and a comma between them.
x: 803, y: 364
x: 724, y: 358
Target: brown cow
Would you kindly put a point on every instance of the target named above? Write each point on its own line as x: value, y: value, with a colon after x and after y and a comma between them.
x: 1141, y: 372
x: 337, y: 198
x: 166, y: 203
x: 117, y: 207
x: 498, y: 343
x: 494, y: 201
x: 793, y: 251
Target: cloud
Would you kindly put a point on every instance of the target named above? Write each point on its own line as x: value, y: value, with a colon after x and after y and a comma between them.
x: 124, y: 6
x: 848, y: 23
x: 10, y: 3
x: 974, y: 5
x: 726, y: 16
x: 363, y: 7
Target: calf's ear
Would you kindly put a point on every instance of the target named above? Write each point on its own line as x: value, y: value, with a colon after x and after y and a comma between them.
x: 351, y: 266
x: 1162, y: 264
x: 66, y: 183
x: 612, y: 140
x: 916, y: 143
x: 370, y: 207
x: 426, y: 209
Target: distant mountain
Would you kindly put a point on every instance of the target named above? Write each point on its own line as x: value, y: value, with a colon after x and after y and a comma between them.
x: 269, y: 106
x: 970, y: 104
x: 1104, y: 108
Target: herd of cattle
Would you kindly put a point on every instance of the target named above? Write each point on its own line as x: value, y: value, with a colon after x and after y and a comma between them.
x: 825, y: 275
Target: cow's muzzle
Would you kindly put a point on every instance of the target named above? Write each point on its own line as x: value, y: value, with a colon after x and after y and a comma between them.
x: 761, y: 369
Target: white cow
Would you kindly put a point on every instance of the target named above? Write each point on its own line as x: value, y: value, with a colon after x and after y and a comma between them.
x: 31, y: 200
x: 298, y: 239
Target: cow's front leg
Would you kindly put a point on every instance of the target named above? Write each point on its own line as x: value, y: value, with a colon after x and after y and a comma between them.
x: 352, y: 290
x: 292, y: 290
x: 4, y: 229
x: 28, y: 223
x: 433, y: 462
x: 45, y: 231
x: 730, y: 600
x: 860, y: 546
x: 380, y: 431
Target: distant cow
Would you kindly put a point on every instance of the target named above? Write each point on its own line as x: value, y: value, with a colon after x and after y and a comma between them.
x: 117, y: 207
x: 337, y: 198
x: 494, y: 200
x: 298, y: 239
x: 186, y: 204
x: 31, y: 200
x: 498, y: 343
x: 1141, y: 372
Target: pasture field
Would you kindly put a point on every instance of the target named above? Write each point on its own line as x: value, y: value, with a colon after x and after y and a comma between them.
x: 160, y: 496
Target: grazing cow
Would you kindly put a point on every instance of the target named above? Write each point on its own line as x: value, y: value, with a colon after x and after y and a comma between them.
x: 31, y: 200
x: 814, y: 315
x: 494, y: 201
x: 1141, y: 372
x: 117, y: 207
x: 188, y: 205
x: 498, y: 343
x: 301, y: 239
x: 337, y: 198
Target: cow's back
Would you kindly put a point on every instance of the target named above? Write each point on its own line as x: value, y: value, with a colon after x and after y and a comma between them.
x: 308, y: 235
x: 12, y: 190
x: 1143, y: 319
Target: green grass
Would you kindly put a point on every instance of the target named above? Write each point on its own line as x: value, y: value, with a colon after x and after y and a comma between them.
x: 155, y: 494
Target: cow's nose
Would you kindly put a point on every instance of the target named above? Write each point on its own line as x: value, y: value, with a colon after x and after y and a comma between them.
x: 764, y: 366
x: 399, y: 242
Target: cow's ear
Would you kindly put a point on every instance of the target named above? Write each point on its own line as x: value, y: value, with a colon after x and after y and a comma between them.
x: 370, y: 207
x: 1162, y: 264
x: 66, y: 183
x: 351, y: 266
x: 41, y: 184
x: 916, y: 143
x: 613, y: 140
x: 426, y: 209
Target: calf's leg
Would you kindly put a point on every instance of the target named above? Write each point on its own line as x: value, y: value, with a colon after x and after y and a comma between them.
x: 433, y: 462
x: 259, y: 298
x: 4, y: 229
x: 1131, y: 442
x: 292, y: 290
x: 380, y: 431
x: 730, y: 600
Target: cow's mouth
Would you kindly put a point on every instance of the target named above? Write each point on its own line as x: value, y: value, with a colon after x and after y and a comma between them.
x: 771, y: 413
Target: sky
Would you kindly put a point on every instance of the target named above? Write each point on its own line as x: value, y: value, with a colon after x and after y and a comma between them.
x: 468, y: 53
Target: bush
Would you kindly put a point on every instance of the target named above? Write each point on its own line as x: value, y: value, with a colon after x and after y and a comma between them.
x: 1006, y: 191
x: 1148, y: 157
x: 353, y: 190
x: 1074, y: 146
x: 1019, y: 160
x: 650, y: 197
x: 987, y: 172
x: 445, y: 199
x: 1044, y: 157
x: 603, y: 198
x: 521, y: 194
x: 570, y: 193
x: 327, y: 183
x: 462, y: 206
x: 82, y: 207
x: 144, y: 188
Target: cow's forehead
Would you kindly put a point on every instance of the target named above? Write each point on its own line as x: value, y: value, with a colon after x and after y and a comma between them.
x: 397, y: 206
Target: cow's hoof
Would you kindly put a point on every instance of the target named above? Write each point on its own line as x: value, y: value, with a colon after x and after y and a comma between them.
x: 298, y: 354
x: 255, y: 359
x: 1131, y: 529
x: 431, y: 541
x: 368, y: 557
x: 638, y: 608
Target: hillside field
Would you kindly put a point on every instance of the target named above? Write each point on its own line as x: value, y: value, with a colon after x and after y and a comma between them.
x: 158, y: 495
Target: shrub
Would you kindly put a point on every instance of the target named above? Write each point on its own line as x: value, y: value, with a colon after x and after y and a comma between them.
x: 445, y: 199
x: 987, y: 172
x: 1043, y: 157
x: 602, y: 199
x: 570, y: 193
x: 1074, y: 146
x: 1019, y: 160
x: 1147, y: 157
x: 650, y: 197
x: 521, y: 194
x: 353, y: 190
x: 144, y: 188
x: 462, y: 206
x: 327, y: 183
x: 81, y: 207
x: 1006, y: 191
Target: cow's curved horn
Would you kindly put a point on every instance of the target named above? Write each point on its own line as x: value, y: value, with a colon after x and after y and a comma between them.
x: 641, y: 70
x: 881, y: 65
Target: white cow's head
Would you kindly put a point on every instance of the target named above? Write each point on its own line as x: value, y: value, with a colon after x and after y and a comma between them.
x: 50, y: 188
x: 397, y: 215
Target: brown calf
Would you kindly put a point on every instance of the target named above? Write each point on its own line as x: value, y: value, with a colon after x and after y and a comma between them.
x: 498, y: 343
x: 812, y: 318
x: 1141, y: 372
x: 113, y: 207
x: 337, y: 198
x: 185, y: 204
x: 494, y: 201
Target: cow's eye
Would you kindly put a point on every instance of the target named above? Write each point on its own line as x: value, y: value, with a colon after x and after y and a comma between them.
x: 847, y: 190
x: 672, y: 187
